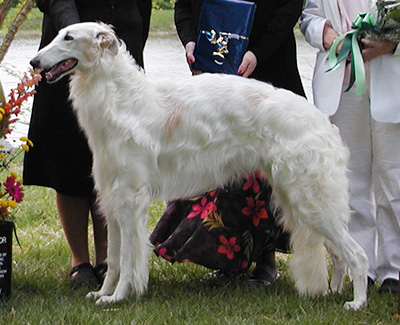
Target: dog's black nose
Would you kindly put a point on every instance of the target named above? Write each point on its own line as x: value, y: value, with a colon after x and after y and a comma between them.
x: 35, y: 63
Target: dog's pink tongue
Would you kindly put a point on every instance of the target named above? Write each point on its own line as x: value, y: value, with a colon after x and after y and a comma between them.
x: 64, y: 66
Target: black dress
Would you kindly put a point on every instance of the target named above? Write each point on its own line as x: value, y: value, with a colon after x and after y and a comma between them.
x: 61, y: 158
x: 229, y: 228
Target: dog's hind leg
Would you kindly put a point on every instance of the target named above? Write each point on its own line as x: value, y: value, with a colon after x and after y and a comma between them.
x: 352, y: 253
x: 357, y: 261
x: 113, y: 258
x: 309, y: 251
x: 134, y: 273
x: 338, y: 267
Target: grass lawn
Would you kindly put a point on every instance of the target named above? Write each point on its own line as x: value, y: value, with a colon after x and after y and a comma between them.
x: 161, y: 21
x: 41, y: 293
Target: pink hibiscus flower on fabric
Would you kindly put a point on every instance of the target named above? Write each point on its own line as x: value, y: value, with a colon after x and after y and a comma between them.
x: 228, y: 247
x: 13, y: 189
x: 202, y: 209
x: 252, y: 181
x: 254, y: 208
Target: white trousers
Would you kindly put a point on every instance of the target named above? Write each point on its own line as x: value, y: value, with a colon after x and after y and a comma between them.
x: 374, y: 177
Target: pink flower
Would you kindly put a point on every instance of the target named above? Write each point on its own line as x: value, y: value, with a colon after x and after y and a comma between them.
x: 244, y: 265
x: 254, y: 209
x: 203, y: 209
x: 252, y: 181
x: 228, y: 247
x: 14, y: 189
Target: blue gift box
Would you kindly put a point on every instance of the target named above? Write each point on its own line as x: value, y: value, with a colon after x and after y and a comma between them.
x: 223, y: 35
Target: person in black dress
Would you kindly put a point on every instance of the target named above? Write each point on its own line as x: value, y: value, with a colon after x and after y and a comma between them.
x: 61, y: 158
x: 229, y: 228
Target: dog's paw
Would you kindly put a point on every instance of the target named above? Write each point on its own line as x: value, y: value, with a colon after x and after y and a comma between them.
x: 354, y: 305
x: 104, y: 300
x: 93, y: 295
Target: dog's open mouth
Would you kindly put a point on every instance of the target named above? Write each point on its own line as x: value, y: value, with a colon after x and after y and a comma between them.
x: 60, y: 69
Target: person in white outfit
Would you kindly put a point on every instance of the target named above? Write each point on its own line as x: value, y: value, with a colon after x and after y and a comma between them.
x: 370, y: 126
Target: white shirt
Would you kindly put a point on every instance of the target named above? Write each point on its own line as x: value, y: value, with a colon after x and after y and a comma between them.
x: 349, y: 9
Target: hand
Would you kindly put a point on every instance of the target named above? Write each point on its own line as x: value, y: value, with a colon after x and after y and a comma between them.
x: 189, y: 47
x: 249, y: 63
x: 376, y: 48
x: 329, y: 35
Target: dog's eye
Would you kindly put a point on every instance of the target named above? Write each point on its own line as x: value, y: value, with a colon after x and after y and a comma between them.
x: 68, y: 38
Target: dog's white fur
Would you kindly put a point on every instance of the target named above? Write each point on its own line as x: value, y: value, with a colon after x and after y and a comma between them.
x: 162, y: 138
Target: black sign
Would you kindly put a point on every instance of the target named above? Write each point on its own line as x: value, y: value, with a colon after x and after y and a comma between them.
x: 6, y: 230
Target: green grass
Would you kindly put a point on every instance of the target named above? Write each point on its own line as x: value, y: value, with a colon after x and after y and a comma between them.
x: 161, y: 21
x: 41, y: 293
x: 32, y: 23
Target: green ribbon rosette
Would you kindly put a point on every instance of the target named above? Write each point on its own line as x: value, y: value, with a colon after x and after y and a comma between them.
x: 362, y: 25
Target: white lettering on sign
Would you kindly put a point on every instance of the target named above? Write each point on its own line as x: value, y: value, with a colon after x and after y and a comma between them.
x: 3, y: 240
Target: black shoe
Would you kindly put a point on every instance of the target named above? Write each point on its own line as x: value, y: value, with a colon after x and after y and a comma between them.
x: 265, y: 281
x: 100, y: 271
x: 389, y: 285
x: 82, y: 275
x: 370, y: 283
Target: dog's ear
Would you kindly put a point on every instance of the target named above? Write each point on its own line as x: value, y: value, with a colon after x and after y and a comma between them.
x: 108, y: 42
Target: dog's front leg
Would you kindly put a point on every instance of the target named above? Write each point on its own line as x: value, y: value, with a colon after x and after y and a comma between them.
x: 113, y: 258
x: 134, y: 273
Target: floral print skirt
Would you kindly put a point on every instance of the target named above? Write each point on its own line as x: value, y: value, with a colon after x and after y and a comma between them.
x: 225, y: 229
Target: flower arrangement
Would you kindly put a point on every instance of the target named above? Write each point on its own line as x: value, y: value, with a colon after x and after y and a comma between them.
x: 11, y: 191
x: 387, y: 21
x: 384, y: 27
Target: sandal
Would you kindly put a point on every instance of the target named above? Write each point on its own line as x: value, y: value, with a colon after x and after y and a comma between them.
x: 265, y: 281
x: 83, y: 275
x: 100, y: 271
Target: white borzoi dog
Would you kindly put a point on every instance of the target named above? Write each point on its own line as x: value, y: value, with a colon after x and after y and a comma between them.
x: 172, y: 139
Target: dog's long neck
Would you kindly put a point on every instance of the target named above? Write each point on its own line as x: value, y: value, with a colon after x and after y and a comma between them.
x: 108, y: 72
x: 99, y: 95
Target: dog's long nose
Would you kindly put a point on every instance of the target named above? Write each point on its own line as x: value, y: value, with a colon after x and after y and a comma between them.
x: 35, y: 63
